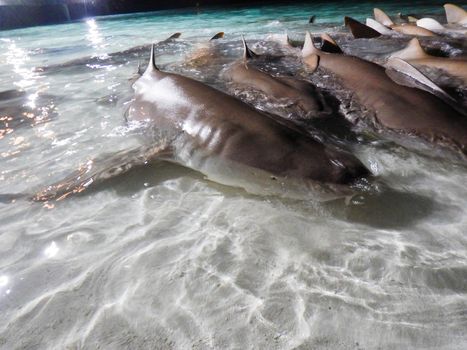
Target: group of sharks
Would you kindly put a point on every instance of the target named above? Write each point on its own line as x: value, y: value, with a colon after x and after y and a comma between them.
x: 231, y: 142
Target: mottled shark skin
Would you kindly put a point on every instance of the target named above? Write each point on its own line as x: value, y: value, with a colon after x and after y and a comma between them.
x: 414, y: 54
x: 404, y: 28
x: 396, y: 109
x: 228, y: 141
x: 300, y: 95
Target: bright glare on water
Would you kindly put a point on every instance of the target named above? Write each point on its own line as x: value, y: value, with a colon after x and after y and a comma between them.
x: 161, y: 258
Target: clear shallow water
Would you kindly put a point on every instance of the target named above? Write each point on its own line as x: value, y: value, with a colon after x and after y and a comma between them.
x: 162, y: 258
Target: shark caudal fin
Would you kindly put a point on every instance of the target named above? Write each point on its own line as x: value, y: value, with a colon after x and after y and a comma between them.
x: 455, y: 14
x: 100, y: 169
x: 430, y: 24
x: 247, y: 53
x: 370, y: 22
x: 382, y: 18
x: 360, y: 30
x: 396, y: 66
x: 329, y: 45
x: 412, y: 51
x: 219, y: 35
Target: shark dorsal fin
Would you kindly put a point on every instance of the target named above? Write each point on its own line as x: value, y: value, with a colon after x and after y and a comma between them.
x: 455, y: 14
x: 360, y: 30
x: 311, y: 62
x: 382, y: 18
x: 329, y: 44
x: 308, y: 47
x: 405, y: 68
x: 152, y: 61
x: 247, y: 53
x: 412, y: 51
x: 430, y: 24
x: 219, y: 35
x: 312, y: 19
x: 370, y: 22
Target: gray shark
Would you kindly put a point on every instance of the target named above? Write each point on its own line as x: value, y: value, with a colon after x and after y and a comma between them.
x: 396, y: 109
x: 415, y: 55
x: 301, y: 97
x: 404, y: 28
x: 199, y: 127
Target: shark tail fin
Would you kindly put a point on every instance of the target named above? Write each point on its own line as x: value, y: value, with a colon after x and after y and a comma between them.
x: 247, y: 52
x: 329, y: 45
x: 396, y: 66
x: 219, y: 35
x: 412, y: 51
x: 455, y: 14
x: 360, y: 30
x: 308, y: 47
x: 430, y: 24
x: 382, y: 17
x: 96, y: 171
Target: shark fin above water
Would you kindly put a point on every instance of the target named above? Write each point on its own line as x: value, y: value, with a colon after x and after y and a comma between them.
x: 370, y: 22
x: 247, y: 52
x: 219, y: 35
x: 382, y: 17
x: 360, y: 30
x: 455, y: 14
x: 430, y: 24
x: 395, y: 66
x: 412, y: 51
x: 308, y: 46
x: 329, y: 44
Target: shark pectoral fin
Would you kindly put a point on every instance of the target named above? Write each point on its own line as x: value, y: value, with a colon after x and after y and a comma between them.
x: 247, y: 53
x: 98, y: 170
x: 399, y: 70
x: 219, y: 35
x: 412, y: 51
x: 311, y: 62
x: 455, y: 14
x: 382, y: 18
x: 360, y: 30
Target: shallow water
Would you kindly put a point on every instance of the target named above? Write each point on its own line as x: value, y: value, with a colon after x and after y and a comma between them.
x: 162, y: 258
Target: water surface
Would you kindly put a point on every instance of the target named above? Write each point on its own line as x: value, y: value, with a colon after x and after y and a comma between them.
x: 161, y: 258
